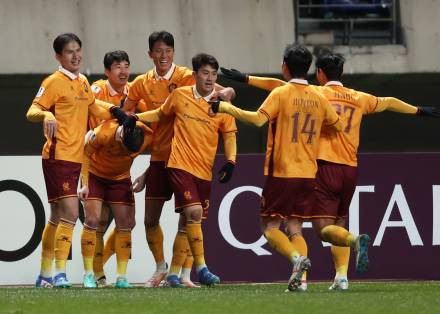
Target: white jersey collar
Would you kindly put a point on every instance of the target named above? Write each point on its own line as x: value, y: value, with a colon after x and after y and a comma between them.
x: 167, y: 76
x: 333, y: 83
x: 299, y: 81
x: 68, y: 73
x: 112, y: 91
x: 198, y: 96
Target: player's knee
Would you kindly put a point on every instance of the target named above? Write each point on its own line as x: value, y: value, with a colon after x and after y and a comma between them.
x: 92, y: 221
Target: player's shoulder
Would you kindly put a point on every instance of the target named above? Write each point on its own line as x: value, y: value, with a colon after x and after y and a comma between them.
x: 183, y: 90
x: 55, y: 78
x: 140, y: 79
x: 84, y: 78
x: 98, y: 86
x: 106, y: 130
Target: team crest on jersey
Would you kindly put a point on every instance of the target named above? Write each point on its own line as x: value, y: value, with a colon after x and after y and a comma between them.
x: 187, y: 195
x: 86, y: 88
x: 66, y: 186
x: 172, y: 87
x: 40, y: 92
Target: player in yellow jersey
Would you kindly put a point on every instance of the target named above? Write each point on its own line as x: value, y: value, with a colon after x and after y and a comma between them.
x: 111, y: 150
x: 194, y: 143
x: 154, y: 87
x: 63, y: 103
x: 337, y: 156
x: 295, y: 113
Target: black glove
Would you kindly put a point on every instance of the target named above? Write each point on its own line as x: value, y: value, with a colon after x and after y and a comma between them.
x: 118, y: 114
x: 130, y: 122
x: 428, y: 112
x: 215, y: 104
x: 225, y: 173
x: 122, y: 102
x: 235, y: 75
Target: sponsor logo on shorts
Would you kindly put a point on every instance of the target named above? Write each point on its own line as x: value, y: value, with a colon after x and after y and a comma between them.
x: 66, y: 186
x: 187, y: 195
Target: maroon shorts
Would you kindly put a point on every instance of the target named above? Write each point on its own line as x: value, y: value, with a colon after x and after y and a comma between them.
x: 61, y: 178
x: 157, y: 184
x: 335, y: 185
x: 110, y: 191
x: 287, y: 197
x: 189, y: 190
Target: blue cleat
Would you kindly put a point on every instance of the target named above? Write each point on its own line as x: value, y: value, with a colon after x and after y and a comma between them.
x: 362, y: 242
x: 43, y: 282
x: 173, y: 281
x: 122, y: 283
x: 89, y: 281
x: 60, y: 281
x: 207, y: 278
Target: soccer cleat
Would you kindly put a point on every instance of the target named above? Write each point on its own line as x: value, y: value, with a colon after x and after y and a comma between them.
x: 303, y: 286
x: 101, y: 282
x: 187, y: 283
x: 89, y: 281
x: 301, y: 265
x: 207, y: 278
x: 122, y: 283
x: 362, y: 242
x: 172, y: 281
x: 155, y: 280
x: 340, y: 284
x: 60, y: 281
x: 43, y: 282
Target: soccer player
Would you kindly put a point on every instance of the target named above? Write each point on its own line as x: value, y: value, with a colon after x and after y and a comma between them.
x: 337, y: 156
x: 64, y: 103
x: 295, y: 113
x: 110, y: 148
x: 194, y: 143
x: 154, y: 87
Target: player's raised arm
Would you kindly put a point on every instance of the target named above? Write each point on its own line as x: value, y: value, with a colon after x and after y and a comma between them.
x: 256, y: 118
x: 397, y: 105
x: 266, y: 83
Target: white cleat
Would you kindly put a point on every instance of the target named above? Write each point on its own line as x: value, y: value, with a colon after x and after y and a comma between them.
x: 101, y: 282
x: 301, y: 265
x: 156, y: 279
x: 188, y: 283
x: 340, y: 284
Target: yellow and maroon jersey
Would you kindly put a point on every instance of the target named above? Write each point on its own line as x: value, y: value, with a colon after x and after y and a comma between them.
x: 351, y: 105
x: 109, y: 158
x: 296, y: 113
x: 196, y: 130
x: 68, y: 97
x: 154, y: 91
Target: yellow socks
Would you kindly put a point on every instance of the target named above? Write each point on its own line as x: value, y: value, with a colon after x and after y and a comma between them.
x: 123, y: 250
x: 180, y: 252
x: 63, y: 241
x: 341, y: 258
x: 109, y: 247
x: 195, y: 239
x: 48, y: 246
x: 98, y: 266
x: 280, y: 242
x: 88, y: 243
x: 337, y: 236
x: 300, y: 245
x: 155, y: 243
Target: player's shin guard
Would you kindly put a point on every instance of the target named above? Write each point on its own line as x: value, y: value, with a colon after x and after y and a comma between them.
x: 88, y: 244
x: 98, y: 266
x: 280, y: 242
x: 299, y: 244
x: 48, y: 249
x: 341, y: 258
x: 109, y: 247
x: 337, y: 235
x: 123, y: 250
x: 180, y: 252
x: 63, y: 242
x: 195, y: 239
x: 155, y: 243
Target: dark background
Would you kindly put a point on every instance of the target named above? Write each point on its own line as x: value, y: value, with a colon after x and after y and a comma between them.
x: 383, y: 132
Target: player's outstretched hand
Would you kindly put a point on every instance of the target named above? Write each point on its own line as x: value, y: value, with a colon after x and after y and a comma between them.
x: 139, y: 183
x: 130, y: 121
x: 83, y: 193
x: 235, y: 75
x: 50, y: 128
x: 118, y: 114
x: 428, y: 112
x: 225, y: 173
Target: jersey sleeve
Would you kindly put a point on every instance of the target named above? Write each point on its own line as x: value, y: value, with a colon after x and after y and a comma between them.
x: 227, y: 124
x: 47, y: 95
x: 134, y: 92
x: 271, y: 106
x: 169, y: 106
x: 330, y: 115
x: 370, y: 103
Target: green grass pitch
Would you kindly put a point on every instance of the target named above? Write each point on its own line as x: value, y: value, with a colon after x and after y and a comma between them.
x: 363, y: 297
